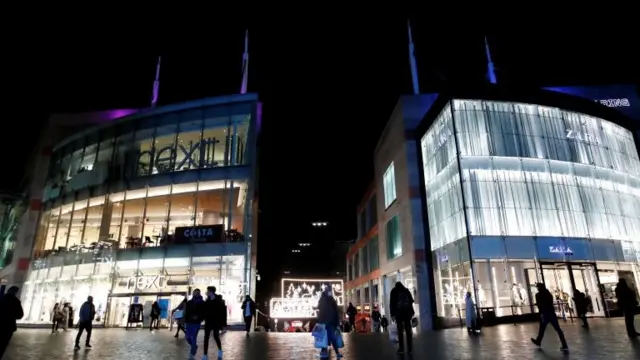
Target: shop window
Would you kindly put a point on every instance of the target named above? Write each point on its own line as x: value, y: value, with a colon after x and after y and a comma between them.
x: 214, y: 140
x: 389, y: 185
x: 163, y: 153
x: 123, y: 150
x: 365, y: 259
x: 114, y: 208
x: 394, y: 239
x: 143, y: 145
x: 156, y: 216
x: 76, y: 161
x: 240, y: 139
x: 132, y: 222
x: 182, y: 210
x: 105, y: 152
x: 52, y: 229
x: 374, y: 260
x: 188, y: 148
x: 89, y: 158
x: 92, y: 231
x: 76, y: 226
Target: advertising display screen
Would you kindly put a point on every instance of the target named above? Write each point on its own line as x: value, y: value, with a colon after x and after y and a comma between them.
x: 299, y: 297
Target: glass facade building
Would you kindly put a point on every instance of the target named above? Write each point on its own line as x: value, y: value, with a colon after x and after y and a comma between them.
x: 518, y: 193
x: 147, y: 208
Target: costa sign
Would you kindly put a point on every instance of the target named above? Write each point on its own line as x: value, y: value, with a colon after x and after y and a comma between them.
x: 146, y: 282
x: 204, y: 233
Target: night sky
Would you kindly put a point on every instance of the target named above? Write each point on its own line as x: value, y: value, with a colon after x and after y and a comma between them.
x: 328, y: 88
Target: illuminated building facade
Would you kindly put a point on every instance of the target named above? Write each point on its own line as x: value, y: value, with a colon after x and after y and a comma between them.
x: 544, y: 175
x: 145, y: 207
x: 527, y: 188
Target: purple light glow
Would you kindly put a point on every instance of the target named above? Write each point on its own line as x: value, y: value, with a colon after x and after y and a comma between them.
x: 108, y: 115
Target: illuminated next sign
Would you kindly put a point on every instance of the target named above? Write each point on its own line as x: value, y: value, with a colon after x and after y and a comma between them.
x: 145, y: 282
x: 623, y: 102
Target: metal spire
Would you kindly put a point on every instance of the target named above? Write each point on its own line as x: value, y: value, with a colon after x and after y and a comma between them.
x: 156, y: 85
x: 491, y: 71
x: 412, y: 61
x: 245, y: 64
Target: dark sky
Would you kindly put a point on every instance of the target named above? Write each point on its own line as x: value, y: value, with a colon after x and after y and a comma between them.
x: 328, y: 87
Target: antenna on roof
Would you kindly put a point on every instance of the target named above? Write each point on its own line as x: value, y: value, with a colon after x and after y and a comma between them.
x: 156, y: 84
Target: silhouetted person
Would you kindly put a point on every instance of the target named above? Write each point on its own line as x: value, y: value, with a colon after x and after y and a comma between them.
x: 215, y: 318
x: 376, y: 317
x: 329, y: 315
x: 10, y: 311
x: 401, y: 309
x: 87, y: 313
x: 155, y: 316
x: 544, y: 301
x: 627, y: 302
x: 248, y: 311
x: 193, y: 316
x: 351, y: 314
x: 580, y: 300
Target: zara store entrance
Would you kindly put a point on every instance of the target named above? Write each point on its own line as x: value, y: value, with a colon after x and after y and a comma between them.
x: 561, y: 278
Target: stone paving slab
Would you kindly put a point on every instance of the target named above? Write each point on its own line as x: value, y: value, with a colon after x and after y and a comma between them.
x: 605, y: 340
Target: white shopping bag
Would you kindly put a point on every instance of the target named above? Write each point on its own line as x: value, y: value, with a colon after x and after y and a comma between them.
x: 393, y: 333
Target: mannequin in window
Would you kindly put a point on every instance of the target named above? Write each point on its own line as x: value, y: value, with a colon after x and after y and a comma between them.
x: 481, y: 295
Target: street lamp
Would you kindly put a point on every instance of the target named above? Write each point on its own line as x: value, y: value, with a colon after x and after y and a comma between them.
x: 319, y: 223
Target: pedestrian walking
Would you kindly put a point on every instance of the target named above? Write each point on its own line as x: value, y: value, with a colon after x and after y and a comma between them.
x: 401, y: 309
x: 10, y: 311
x: 627, y: 302
x: 155, y: 316
x: 249, y: 311
x: 85, y: 322
x: 544, y: 300
x: 56, y: 317
x: 65, y: 316
x: 329, y: 316
x: 580, y: 301
x: 193, y: 316
x: 377, y: 318
x: 215, y: 318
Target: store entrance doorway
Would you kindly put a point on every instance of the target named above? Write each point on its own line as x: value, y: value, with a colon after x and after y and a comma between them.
x: 562, y: 278
x: 120, y: 304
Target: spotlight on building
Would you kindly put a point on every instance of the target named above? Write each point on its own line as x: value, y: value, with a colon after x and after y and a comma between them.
x: 320, y: 223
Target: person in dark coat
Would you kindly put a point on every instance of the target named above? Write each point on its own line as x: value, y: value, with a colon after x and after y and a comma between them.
x: 155, y: 316
x: 87, y: 314
x: 351, y: 314
x: 401, y: 309
x: 193, y: 316
x: 544, y: 301
x: 329, y: 316
x: 10, y: 311
x: 580, y: 300
x: 248, y: 311
x: 215, y: 318
x: 627, y: 302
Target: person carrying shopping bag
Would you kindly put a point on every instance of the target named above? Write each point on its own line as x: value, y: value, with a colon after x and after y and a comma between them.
x: 328, y: 315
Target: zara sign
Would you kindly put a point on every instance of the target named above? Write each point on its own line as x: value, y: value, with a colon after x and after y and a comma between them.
x: 146, y: 282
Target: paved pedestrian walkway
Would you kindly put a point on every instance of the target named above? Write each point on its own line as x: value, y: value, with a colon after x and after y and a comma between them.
x: 605, y: 340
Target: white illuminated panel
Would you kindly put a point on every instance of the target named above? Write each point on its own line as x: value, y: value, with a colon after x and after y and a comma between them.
x: 529, y: 170
x: 281, y: 308
x: 311, y: 289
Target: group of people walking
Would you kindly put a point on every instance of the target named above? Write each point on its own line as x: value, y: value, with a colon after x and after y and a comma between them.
x: 62, y: 315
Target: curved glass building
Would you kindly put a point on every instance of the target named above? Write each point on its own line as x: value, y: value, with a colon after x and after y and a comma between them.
x: 145, y: 208
x: 520, y: 190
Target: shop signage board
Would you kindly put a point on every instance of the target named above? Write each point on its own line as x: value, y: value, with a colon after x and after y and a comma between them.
x: 199, y: 234
x: 146, y: 282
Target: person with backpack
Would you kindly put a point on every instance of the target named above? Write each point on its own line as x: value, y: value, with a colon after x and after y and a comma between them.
x: 401, y: 309
x: 377, y: 318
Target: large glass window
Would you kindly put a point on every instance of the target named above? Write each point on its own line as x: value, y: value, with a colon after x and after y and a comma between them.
x: 389, y: 184
x: 189, y: 146
x: 164, y: 149
x: 374, y: 260
x: 394, y: 238
x: 143, y: 144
